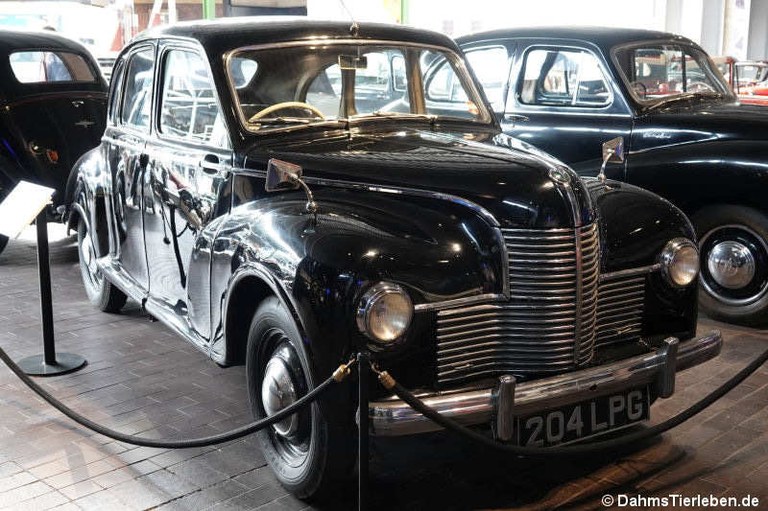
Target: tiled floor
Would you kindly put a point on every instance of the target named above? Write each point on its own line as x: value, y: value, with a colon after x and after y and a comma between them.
x: 142, y: 379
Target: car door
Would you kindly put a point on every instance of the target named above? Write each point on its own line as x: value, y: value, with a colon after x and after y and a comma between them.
x: 559, y: 98
x: 125, y: 141
x: 188, y: 161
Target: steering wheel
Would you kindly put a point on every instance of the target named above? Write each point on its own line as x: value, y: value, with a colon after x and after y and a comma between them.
x: 640, y: 88
x: 286, y: 104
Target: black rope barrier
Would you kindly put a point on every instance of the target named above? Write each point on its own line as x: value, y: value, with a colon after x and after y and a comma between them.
x: 339, y: 375
x: 417, y: 404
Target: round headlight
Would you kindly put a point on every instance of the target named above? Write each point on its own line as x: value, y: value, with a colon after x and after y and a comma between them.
x: 384, y: 312
x: 680, y: 262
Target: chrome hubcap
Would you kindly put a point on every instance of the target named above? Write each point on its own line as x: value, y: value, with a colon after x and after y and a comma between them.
x: 277, y: 392
x: 731, y: 264
x: 734, y: 267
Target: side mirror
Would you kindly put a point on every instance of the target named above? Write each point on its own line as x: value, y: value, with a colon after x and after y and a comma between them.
x: 613, y: 151
x: 282, y: 175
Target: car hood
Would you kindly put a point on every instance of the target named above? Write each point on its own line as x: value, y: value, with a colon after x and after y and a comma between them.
x: 508, y: 179
x: 704, y: 119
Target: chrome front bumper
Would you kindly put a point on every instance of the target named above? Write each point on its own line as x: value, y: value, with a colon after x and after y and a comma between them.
x: 393, y: 417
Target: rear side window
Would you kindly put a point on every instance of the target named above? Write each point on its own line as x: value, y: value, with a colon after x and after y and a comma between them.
x: 50, y: 66
x: 563, y: 77
x: 137, y: 96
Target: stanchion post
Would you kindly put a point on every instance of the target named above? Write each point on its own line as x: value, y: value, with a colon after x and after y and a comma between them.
x: 48, y: 364
x: 46, y: 297
x: 363, y: 372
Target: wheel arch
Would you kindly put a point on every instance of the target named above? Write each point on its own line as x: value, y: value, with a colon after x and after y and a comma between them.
x: 248, y: 288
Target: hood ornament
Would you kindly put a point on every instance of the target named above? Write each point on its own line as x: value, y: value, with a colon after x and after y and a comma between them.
x: 282, y: 175
x: 613, y: 151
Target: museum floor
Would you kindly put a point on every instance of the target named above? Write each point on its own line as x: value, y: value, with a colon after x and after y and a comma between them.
x: 143, y: 379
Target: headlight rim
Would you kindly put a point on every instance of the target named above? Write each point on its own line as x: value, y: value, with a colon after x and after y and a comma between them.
x: 365, y: 306
x: 667, y: 258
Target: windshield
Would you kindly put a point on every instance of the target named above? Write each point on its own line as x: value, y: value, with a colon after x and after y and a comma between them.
x: 311, y: 84
x: 658, y: 72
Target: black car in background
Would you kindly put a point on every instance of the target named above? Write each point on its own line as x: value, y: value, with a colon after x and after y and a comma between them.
x: 263, y: 190
x: 565, y: 90
x: 52, y: 110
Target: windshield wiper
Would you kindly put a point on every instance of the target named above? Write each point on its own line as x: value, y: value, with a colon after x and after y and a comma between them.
x: 400, y: 115
x: 684, y: 96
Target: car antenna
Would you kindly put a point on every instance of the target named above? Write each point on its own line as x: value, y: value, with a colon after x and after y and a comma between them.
x: 354, y: 29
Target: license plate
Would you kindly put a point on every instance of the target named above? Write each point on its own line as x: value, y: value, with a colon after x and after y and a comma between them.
x: 585, y: 419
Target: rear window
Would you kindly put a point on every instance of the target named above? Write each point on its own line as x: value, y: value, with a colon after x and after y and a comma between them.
x: 50, y: 66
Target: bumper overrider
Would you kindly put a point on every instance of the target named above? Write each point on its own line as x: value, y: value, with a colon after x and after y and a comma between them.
x: 498, y: 405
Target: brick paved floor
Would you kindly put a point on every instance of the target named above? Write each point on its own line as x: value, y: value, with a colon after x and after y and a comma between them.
x: 142, y: 379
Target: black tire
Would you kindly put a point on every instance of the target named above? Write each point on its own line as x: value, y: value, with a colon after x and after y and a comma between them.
x: 101, y: 292
x: 319, y: 454
x: 3, y: 242
x: 733, y: 289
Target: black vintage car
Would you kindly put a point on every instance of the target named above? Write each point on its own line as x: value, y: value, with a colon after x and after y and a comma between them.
x: 52, y: 110
x: 273, y: 222
x: 687, y: 138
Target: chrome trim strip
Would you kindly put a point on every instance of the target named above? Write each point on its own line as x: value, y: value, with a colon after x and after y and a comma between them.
x: 642, y: 270
x: 393, y: 417
x: 456, y: 302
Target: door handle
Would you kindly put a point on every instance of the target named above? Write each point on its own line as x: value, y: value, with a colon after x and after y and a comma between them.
x: 211, y: 164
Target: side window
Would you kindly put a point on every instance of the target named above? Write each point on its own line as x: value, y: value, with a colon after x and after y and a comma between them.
x: 491, y: 69
x: 115, y: 90
x: 571, y: 78
x: 137, y: 98
x: 188, y: 107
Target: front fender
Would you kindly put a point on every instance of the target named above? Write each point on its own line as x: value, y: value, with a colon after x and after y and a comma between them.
x: 697, y: 174
x: 435, y: 249
x: 635, y: 225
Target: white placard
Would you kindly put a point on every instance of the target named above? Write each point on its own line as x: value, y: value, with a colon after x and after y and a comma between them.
x: 21, y: 206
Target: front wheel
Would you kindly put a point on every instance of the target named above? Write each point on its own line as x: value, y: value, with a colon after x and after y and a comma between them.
x: 100, y: 291
x: 308, y: 452
x: 733, y: 241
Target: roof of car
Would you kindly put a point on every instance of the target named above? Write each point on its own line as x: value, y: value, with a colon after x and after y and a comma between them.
x: 255, y: 30
x: 14, y: 40
x: 605, y: 37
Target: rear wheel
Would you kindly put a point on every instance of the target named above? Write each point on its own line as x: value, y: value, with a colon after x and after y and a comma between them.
x: 101, y: 292
x: 733, y: 241
x: 308, y: 452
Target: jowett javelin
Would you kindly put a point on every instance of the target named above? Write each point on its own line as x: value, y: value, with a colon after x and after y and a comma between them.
x: 52, y: 110
x: 247, y: 199
x: 687, y: 137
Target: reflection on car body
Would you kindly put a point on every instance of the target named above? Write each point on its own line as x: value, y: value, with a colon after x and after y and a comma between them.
x: 289, y: 192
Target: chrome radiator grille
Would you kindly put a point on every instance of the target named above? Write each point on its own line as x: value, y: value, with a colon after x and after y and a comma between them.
x: 549, y: 323
x: 620, y: 309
